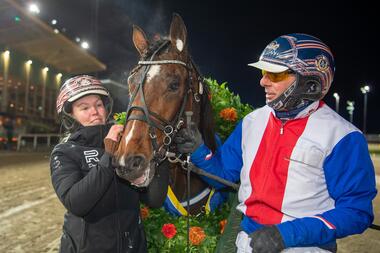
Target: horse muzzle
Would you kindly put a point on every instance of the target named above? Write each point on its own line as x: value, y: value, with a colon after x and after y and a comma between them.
x: 135, y: 169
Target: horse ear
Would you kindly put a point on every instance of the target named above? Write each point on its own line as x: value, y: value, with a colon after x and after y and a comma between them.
x: 178, y: 32
x: 139, y: 39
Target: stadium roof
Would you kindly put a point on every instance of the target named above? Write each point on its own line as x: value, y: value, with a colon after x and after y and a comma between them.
x: 27, y: 34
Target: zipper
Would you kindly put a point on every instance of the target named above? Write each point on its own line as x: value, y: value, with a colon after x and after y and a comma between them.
x: 83, y: 233
x: 119, y: 243
x: 282, y: 128
x: 129, y: 241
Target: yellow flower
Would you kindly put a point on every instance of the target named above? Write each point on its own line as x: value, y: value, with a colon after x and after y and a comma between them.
x: 144, y: 212
x: 196, y: 235
x: 222, y: 225
x: 228, y: 114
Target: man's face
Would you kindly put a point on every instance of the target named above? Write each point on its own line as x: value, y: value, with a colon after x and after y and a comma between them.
x: 89, y: 111
x: 276, y: 83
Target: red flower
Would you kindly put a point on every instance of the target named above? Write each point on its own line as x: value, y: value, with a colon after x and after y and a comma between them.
x: 228, y: 114
x: 169, y: 230
x: 196, y: 235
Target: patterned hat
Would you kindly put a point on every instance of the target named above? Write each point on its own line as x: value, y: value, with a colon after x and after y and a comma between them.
x: 77, y: 87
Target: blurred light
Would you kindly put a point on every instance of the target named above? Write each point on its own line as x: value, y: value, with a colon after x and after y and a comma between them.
x: 29, y: 62
x: 85, y: 45
x: 6, y: 54
x: 17, y: 19
x: 58, y: 79
x: 46, y: 69
x: 56, y: 31
x: 336, y: 95
x: 77, y: 39
x: 33, y: 8
x: 54, y: 22
x: 365, y: 89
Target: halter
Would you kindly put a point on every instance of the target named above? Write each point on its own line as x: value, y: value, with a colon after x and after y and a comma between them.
x: 155, y: 121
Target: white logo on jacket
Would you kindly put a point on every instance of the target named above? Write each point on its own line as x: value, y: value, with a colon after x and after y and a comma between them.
x: 91, y: 156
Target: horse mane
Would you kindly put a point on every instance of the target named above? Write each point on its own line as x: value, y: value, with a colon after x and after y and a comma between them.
x: 156, y: 44
x: 207, y: 124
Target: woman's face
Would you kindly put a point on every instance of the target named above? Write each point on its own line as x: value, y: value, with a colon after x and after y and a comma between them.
x: 89, y: 111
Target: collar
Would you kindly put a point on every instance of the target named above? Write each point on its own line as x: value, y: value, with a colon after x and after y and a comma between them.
x: 91, y: 136
x: 300, y: 112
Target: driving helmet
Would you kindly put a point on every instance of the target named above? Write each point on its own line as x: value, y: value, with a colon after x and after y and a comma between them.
x: 77, y: 87
x: 306, y: 56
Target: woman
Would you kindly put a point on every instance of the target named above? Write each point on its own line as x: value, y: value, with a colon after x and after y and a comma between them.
x: 102, y: 209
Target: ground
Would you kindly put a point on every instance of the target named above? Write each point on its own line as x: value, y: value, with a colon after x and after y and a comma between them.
x: 31, y: 216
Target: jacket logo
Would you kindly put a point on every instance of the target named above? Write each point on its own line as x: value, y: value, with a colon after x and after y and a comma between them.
x: 91, y: 156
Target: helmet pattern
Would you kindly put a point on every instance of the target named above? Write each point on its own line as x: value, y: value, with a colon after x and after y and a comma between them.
x: 77, y: 87
x: 302, y: 53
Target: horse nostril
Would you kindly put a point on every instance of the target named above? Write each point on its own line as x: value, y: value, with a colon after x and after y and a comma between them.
x: 135, y: 162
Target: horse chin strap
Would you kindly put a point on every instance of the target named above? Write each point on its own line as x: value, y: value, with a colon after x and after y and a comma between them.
x: 155, y: 121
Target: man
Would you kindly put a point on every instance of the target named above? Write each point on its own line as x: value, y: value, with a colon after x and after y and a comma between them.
x: 306, y: 175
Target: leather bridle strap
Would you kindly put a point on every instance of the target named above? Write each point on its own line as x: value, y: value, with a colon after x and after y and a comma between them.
x: 153, y: 119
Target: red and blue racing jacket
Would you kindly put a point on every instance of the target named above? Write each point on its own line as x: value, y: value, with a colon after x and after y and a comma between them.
x: 312, y: 176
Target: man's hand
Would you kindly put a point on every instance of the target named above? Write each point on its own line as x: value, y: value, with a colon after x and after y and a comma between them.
x: 111, y: 141
x: 188, y: 139
x: 267, y: 240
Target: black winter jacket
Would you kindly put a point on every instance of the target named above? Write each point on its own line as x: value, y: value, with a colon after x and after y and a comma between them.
x: 102, y: 209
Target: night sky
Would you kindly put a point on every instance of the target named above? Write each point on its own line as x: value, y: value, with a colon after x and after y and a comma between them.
x: 224, y: 38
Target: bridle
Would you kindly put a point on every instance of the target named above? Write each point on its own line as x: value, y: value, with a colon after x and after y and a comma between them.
x: 155, y: 121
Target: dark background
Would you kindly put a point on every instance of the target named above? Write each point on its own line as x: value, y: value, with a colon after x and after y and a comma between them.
x: 224, y: 36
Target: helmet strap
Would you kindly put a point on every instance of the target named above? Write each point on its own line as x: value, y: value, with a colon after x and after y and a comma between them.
x: 68, y: 122
x: 71, y: 124
x: 303, y: 90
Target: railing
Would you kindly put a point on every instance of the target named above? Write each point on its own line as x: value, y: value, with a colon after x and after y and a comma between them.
x: 373, y: 138
x: 35, y: 138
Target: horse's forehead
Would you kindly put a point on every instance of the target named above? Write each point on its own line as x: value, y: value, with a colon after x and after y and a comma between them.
x: 153, y: 71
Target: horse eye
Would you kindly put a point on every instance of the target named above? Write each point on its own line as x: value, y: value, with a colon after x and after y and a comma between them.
x: 173, y: 86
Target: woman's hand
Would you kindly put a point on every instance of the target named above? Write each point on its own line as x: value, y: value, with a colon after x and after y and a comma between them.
x: 111, y: 141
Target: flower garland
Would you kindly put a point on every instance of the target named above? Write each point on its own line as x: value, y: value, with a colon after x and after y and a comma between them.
x: 168, y: 233
x: 228, y: 108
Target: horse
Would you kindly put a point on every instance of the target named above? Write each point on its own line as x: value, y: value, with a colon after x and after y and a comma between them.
x: 165, y: 89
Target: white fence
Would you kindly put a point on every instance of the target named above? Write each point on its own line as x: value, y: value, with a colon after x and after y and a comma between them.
x: 36, y: 138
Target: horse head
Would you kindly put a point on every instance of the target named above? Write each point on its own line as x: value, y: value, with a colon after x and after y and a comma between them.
x: 162, y: 87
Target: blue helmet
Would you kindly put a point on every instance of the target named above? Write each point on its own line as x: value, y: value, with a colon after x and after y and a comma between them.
x: 305, y: 55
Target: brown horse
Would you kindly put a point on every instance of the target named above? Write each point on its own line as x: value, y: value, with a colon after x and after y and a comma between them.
x: 164, y: 87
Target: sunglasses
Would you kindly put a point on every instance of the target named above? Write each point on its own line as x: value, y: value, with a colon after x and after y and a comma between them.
x: 277, y: 77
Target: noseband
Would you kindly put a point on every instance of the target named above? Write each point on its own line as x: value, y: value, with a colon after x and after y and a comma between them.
x: 155, y: 121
